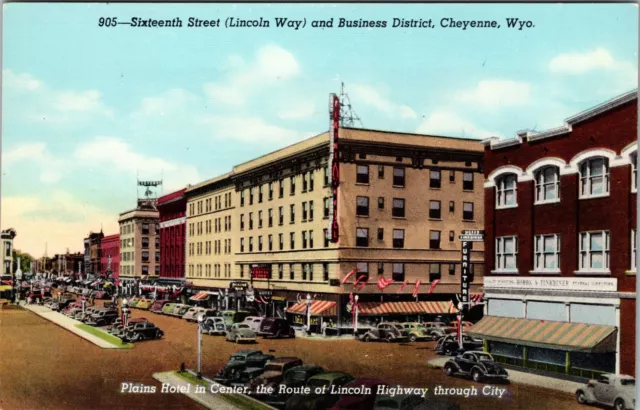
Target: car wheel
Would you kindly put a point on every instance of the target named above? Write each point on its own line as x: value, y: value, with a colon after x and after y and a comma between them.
x: 449, y: 370
x: 619, y: 404
x: 139, y: 338
x: 476, y: 375
x: 448, y: 351
x: 367, y: 338
x: 413, y: 338
x: 237, y: 339
x: 581, y: 397
x: 389, y: 339
x: 158, y: 334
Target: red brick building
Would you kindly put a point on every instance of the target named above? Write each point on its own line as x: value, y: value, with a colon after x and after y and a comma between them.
x: 110, y: 246
x: 173, y: 223
x: 560, y: 218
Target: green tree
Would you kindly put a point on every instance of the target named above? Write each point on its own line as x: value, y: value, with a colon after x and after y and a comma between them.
x: 25, y: 260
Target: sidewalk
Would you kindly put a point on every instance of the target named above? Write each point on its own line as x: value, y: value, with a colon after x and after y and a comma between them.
x: 68, y: 324
x: 530, y: 379
x: 208, y: 400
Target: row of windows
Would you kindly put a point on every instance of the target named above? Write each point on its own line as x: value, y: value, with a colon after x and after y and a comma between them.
x: 306, y: 270
x: 593, y: 253
x: 197, y: 249
x: 594, y: 182
x: 398, y: 208
x: 307, y: 215
x: 398, y: 270
x: 211, y: 204
x: 129, y: 270
x: 128, y: 228
x: 215, y: 270
x: 197, y: 228
x: 399, y: 177
x: 398, y: 235
x: 307, y: 186
x: 305, y: 236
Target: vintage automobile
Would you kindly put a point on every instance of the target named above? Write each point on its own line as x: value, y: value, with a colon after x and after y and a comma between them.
x: 319, y: 401
x: 479, y: 365
x: 193, y: 313
x: 450, y: 346
x: 102, y: 318
x: 144, y: 304
x: 385, y: 331
x: 71, y: 309
x: 439, y: 333
x: 254, y: 322
x: 240, y: 361
x: 245, y: 376
x: 411, y: 402
x: 158, y: 305
x: 117, y: 324
x: 133, y: 302
x: 294, y: 377
x: 609, y: 390
x: 168, y: 308
x: 142, y: 331
x: 179, y: 310
x: 276, y: 328
x: 273, y: 374
x: 416, y: 331
x: 87, y: 313
x: 214, y: 326
x: 232, y: 316
x: 240, y: 332
x: 359, y: 401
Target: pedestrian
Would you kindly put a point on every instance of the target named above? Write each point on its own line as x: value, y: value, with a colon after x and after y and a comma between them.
x: 324, y: 328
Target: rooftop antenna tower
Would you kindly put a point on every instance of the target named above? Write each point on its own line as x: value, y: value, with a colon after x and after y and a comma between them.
x: 348, y: 117
x: 149, y: 197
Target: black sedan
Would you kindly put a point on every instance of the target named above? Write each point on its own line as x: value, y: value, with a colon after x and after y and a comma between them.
x: 142, y: 331
x: 450, y: 346
x: 479, y: 365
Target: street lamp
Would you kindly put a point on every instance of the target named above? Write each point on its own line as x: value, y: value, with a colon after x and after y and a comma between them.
x: 308, y: 313
x: 125, y: 314
x: 200, y: 322
x: 355, y: 307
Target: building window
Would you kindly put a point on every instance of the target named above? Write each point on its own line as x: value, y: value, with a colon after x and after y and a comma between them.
x: 452, y: 269
x: 434, y: 180
x: 547, y: 251
x: 270, y: 217
x: 594, y: 177
x: 250, y: 220
x: 325, y: 272
x: 434, y: 210
x: 260, y: 243
x: 251, y: 196
x: 362, y: 176
x: 292, y: 241
x: 304, y: 239
x: 362, y: 206
x: 259, y: 219
x: 281, y: 188
x: 326, y: 207
x: 260, y: 191
x: 467, y: 181
x: 380, y: 171
x: 380, y: 234
x: 145, y: 256
x: 398, y: 208
x: 145, y: 229
x: 280, y: 216
x: 594, y: 251
x: 452, y: 207
x: 434, y: 240
x: 251, y: 244
x: 145, y: 242
x: 305, y: 183
x: 363, y: 270
x: 547, y: 185
x: 292, y: 213
x: 506, y: 252
x: 380, y: 268
x: 145, y: 270
x: 311, y: 181
x: 633, y: 249
x: 242, y: 198
x: 291, y: 271
x: 311, y: 239
x: 292, y: 185
x: 311, y: 210
x: 304, y: 271
x: 398, y: 238
x: 325, y: 233
x: 452, y: 236
x: 304, y: 211
x: 362, y: 237
x: 398, y: 272
x: 506, y: 191
x: 467, y: 211
x: 452, y: 176
x: 380, y: 203
x: 434, y: 272
x: 281, y: 241
x: 634, y: 172
x: 398, y: 177
x: 398, y: 159
x: 280, y: 271
x: 325, y: 171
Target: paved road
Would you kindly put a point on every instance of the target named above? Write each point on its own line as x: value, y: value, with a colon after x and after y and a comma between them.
x: 65, y: 371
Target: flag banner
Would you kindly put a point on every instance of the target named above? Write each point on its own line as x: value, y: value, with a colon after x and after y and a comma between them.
x: 383, y: 283
x: 363, y: 284
x: 404, y: 284
x: 359, y: 279
x: 433, y: 285
x: 348, y: 275
x: 417, y: 288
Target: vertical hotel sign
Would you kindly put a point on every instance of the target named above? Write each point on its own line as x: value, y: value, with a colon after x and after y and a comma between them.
x: 334, y: 124
x: 467, y: 238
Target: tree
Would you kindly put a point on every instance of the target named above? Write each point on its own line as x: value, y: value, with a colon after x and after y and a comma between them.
x: 25, y: 260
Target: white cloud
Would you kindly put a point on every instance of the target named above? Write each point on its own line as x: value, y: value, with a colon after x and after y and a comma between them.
x: 272, y: 65
x: 251, y: 129
x: 36, y: 154
x: 494, y: 94
x: 579, y: 63
x: 115, y: 154
x: 297, y: 111
x: 58, y: 219
x: 21, y: 82
x: 369, y: 95
x: 446, y: 123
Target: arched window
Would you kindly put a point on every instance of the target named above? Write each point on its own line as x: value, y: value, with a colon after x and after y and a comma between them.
x: 506, y: 191
x: 547, y: 184
x: 634, y: 172
x: 594, y: 177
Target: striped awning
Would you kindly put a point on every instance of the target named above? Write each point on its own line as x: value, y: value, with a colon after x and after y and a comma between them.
x: 406, y: 308
x: 200, y: 296
x: 547, y: 334
x: 318, y: 308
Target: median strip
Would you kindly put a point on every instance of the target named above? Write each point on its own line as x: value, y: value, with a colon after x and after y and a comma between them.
x: 104, y: 336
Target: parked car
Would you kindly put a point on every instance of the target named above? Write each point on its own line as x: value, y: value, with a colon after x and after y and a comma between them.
x: 416, y: 331
x: 142, y: 331
x: 450, y: 346
x: 385, y: 331
x: 240, y: 332
x: 179, y: 310
x: 117, y: 324
x: 411, y: 402
x: 245, y: 376
x: 168, y: 308
x: 359, y: 401
x: 254, y: 358
x: 319, y: 401
x: 214, y: 326
x: 193, y: 313
x: 157, y: 306
x: 439, y: 333
x: 231, y: 316
x: 609, y: 390
x: 478, y: 365
x: 254, y: 322
x: 87, y: 313
x: 239, y: 361
x: 273, y: 374
x: 294, y: 377
x: 102, y: 318
x: 276, y: 327
x: 133, y: 302
x: 144, y: 304
x: 465, y: 324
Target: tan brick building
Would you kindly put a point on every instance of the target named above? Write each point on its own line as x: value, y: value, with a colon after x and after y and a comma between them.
x: 403, y: 200
x: 139, y: 243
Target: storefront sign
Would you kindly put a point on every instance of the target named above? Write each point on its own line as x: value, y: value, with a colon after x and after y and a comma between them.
x: 557, y: 283
x: 238, y: 286
x: 261, y: 271
x: 334, y: 124
x: 467, y: 238
x: 472, y: 236
x: 301, y: 320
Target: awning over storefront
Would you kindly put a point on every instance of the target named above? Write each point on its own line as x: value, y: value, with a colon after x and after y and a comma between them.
x: 200, y: 296
x: 318, y: 308
x: 406, y: 308
x: 5, y: 288
x: 547, y: 334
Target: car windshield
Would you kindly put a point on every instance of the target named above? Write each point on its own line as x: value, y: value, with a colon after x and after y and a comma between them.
x: 628, y: 382
x: 486, y: 357
x: 295, y: 376
x: 318, y: 383
x: 243, y: 326
x: 237, y: 358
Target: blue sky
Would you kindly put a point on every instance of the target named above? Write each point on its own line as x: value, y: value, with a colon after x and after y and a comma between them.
x: 87, y: 108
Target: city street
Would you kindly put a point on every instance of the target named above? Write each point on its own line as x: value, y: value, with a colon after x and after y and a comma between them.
x: 45, y: 366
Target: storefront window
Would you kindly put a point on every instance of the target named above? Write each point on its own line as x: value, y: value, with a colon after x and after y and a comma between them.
x: 506, y: 349
x: 605, y: 362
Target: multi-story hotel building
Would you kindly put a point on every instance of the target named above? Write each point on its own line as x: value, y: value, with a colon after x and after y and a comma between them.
x: 172, y: 221
x: 139, y: 242
x: 110, y: 255
x: 7, y: 236
x: 94, y: 253
x: 560, y: 215
x: 403, y: 200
